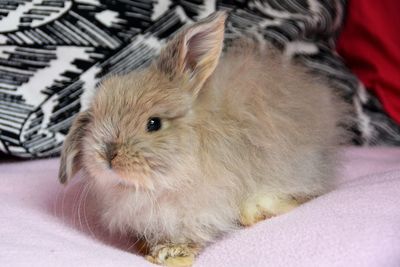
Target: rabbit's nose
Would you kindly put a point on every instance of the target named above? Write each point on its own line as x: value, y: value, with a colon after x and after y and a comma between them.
x: 111, y: 153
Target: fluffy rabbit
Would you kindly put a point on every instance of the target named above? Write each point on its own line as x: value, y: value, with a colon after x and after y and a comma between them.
x: 189, y: 148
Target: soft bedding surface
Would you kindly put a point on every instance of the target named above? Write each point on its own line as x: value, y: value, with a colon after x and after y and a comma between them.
x: 358, y: 224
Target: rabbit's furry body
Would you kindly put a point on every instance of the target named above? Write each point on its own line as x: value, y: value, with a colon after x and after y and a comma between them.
x: 255, y: 125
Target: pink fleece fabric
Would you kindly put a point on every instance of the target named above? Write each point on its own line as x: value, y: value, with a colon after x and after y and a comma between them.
x: 358, y: 224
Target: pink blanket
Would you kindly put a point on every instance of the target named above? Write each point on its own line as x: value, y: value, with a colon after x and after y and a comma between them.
x: 358, y: 224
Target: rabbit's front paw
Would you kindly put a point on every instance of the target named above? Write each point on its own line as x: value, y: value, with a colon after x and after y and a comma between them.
x: 173, y: 255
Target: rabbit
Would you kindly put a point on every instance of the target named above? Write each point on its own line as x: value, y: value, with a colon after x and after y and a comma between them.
x: 200, y: 142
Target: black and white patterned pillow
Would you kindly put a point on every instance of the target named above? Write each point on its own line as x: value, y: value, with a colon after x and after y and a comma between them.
x: 54, y: 52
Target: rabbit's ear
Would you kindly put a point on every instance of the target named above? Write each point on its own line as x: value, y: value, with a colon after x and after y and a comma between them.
x: 195, y: 50
x: 71, y: 151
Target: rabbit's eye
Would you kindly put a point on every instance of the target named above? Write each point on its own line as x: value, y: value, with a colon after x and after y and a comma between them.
x: 153, y: 124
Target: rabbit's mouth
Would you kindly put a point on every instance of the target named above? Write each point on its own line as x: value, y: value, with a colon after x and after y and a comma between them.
x: 124, y: 168
x: 131, y: 172
x: 123, y: 173
x: 137, y: 180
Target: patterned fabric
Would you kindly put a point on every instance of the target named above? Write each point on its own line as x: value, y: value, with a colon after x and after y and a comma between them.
x: 54, y: 52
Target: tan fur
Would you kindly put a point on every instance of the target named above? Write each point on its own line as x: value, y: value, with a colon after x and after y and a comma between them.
x: 256, y: 126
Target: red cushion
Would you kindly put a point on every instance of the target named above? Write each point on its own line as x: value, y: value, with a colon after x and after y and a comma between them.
x: 370, y: 45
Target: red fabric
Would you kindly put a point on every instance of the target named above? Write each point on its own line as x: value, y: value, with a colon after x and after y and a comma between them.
x: 370, y: 45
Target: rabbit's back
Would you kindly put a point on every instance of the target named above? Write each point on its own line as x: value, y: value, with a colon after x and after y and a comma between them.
x: 273, y: 124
